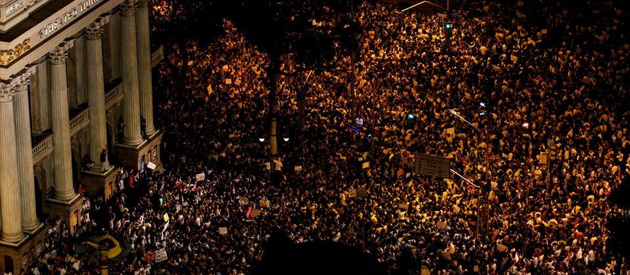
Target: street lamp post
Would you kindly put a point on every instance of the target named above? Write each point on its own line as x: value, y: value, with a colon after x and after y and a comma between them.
x: 482, y: 202
x: 302, y: 102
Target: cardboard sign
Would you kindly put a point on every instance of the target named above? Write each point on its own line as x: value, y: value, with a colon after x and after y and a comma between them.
x: 249, y: 211
x: 501, y: 248
x: 223, y: 230
x: 365, y: 165
x: 254, y: 214
x: 543, y: 159
x: 151, y: 166
x: 160, y: 255
x: 298, y: 168
x: 200, y: 177
x: 166, y: 217
x: 264, y: 203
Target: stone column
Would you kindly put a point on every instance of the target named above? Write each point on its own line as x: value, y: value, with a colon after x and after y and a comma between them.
x: 9, y: 185
x: 96, y: 89
x: 131, y: 100
x: 26, y: 177
x: 111, y: 49
x: 77, y: 73
x: 144, y: 64
x: 62, y: 160
x: 40, y: 99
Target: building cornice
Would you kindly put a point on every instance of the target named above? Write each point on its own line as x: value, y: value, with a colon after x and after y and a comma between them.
x: 13, y: 12
x: 43, y: 37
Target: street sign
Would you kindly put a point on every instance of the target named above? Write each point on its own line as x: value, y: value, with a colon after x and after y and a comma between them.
x: 432, y: 166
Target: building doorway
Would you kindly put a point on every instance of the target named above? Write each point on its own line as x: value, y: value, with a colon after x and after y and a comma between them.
x: 8, y: 265
x: 39, y: 197
x: 110, y: 146
x: 76, y: 170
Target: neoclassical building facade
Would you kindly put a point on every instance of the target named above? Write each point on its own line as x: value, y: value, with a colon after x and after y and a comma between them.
x: 76, y: 102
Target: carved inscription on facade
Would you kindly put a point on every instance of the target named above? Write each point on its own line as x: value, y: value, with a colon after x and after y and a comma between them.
x: 67, y: 17
x: 13, y: 7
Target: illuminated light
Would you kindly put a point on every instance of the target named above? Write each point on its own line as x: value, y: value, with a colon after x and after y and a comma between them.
x: 483, y: 104
x: 449, y: 26
x: 411, y: 116
x: 262, y: 139
x: 286, y: 139
x: 526, y: 124
x: 482, y: 114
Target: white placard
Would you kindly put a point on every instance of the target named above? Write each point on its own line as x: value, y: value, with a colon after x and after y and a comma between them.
x: 160, y: 255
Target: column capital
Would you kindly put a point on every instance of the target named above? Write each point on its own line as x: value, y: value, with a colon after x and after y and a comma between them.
x: 6, y: 92
x: 59, y: 55
x: 95, y: 30
x: 128, y: 8
x: 18, y: 83
x: 22, y: 81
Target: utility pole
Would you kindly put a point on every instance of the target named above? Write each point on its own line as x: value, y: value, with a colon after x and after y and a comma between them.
x: 273, y: 107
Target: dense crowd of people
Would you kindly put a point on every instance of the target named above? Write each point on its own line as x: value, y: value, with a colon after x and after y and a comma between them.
x: 527, y: 76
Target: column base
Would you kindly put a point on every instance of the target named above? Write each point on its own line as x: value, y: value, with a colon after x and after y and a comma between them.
x: 100, y: 183
x: 68, y: 211
x: 25, y: 252
x: 133, y: 142
x: 139, y: 156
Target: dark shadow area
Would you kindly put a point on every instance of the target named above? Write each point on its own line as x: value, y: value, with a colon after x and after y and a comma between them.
x: 319, y: 257
x: 619, y: 240
x: 619, y: 224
